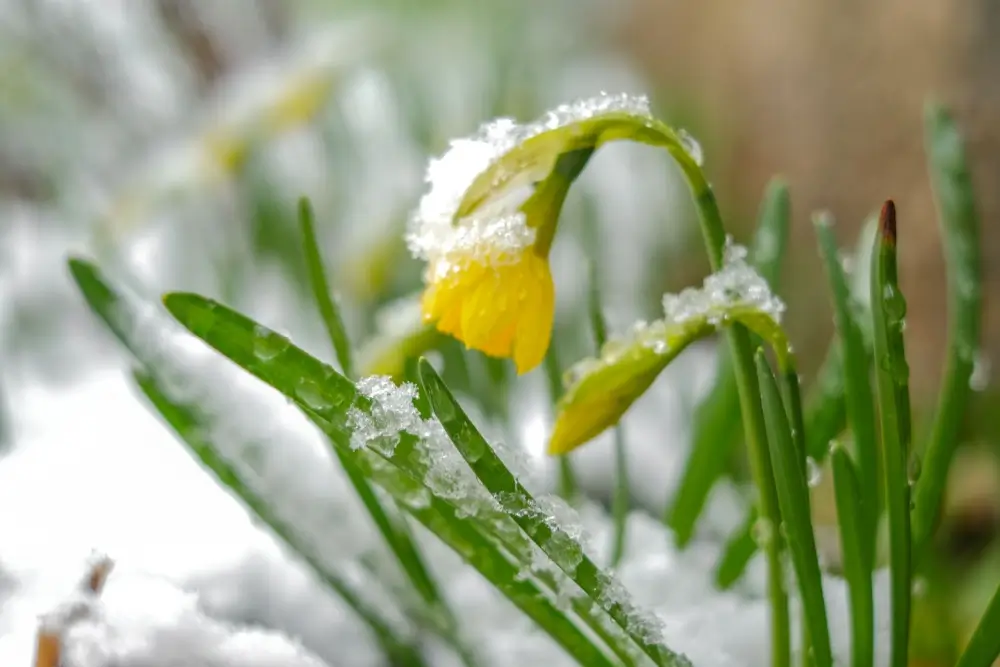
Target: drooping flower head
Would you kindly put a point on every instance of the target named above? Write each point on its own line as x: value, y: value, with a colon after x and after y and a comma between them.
x: 487, y: 222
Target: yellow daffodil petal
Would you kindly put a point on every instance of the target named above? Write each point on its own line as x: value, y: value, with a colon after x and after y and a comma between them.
x: 503, y: 310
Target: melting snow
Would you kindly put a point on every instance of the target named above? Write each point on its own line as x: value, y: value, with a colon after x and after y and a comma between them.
x: 498, y: 230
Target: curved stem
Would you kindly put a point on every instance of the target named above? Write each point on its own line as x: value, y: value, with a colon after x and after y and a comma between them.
x: 714, y: 235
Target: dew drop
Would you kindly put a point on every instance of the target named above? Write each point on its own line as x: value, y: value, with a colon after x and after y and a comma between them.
x: 762, y: 532
x: 814, y: 474
x: 267, y: 344
x: 979, y: 380
x: 310, y: 393
x: 913, y: 469
x: 692, y: 147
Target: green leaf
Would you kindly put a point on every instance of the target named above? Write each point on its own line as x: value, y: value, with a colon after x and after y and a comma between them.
x: 858, y: 396
x: 188, y: 424
x: 793, y: 498
x: 984, y: 646
x: 717, y: 419
x: 121, y: 313
x: 601, y: 390
x: 390, y: 524
x: 738, y: 551
x: 553, y: 375
x: 857, y: 556
x: 536, y: 158
x: 826, y: 409
x: 544, y: 531
x: 620, y: 500
x: 328, y: 309
x: 404, y: 473
x: 959, y: 223
x: 892, y: 381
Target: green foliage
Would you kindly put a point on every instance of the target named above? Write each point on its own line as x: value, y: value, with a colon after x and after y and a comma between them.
x: 520, y: 542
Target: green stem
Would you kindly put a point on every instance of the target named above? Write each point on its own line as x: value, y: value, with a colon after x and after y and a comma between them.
x: 553, y: 374
x: 620, y: 500
x: 888, y: 311
x: 714, y: 235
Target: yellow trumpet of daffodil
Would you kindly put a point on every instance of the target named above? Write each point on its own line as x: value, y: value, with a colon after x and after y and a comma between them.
x: 504, y: 310
x: 488, y: 281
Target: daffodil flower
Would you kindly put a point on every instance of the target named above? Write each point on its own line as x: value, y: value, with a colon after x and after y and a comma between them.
x: 600, y: 390
x: 504, y: 310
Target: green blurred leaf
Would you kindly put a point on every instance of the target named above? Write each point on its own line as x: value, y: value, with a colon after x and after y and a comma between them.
x: 793, y: 498
x: 121, y: 314
x: 328, y: 309
x: 188, y: 424
x: 959, y: 223
x: 858, y: 396
x: 892, y: 381
x: 857, y: 556
x: 983, y: 648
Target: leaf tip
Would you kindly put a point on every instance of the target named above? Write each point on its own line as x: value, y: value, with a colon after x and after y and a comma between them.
x: 887, y: 222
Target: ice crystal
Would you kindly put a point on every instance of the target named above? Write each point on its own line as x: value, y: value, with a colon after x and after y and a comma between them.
x: 736, y: 284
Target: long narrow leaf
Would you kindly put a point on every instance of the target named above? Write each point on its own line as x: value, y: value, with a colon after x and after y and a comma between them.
x: 285, y: 367
x: 620, y: 500
x: 328, y: 309
x: 717, y: 419
x: 120, y: 314
x: 793, y: 496
x: 892, y: 375
x: 858, y: 396
x: 983, y: 648
x: 857, y: 556
x: 518, y: 503
x: 393, y: 528
x: 189, y: 426
x: 959, y: 223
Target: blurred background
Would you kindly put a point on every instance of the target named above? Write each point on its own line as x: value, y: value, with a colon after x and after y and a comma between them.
x: 170, y: 140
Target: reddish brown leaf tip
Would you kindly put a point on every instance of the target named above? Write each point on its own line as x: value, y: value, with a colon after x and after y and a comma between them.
x: 887, y: 221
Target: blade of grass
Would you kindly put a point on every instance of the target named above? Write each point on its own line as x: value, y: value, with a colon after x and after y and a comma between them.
x: 959, y: 224
x: 737, y: 553
x: 515, y: 500
x: 857, y: 556
x: 717, y: 419
x: 119, y: 314
x: 188, y: 426
x: 983, y: 648
x: 892, y: 381
x: 328, y: 310
x: 620, y: 500
x: 858, y: 396
x: 437, y: 516
x: 793, y: 495
x: 393, y: 528
x: 285, y: 366
x: 824, y: 416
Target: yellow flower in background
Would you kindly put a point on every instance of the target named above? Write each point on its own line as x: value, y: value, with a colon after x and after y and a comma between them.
x: 503, y: 309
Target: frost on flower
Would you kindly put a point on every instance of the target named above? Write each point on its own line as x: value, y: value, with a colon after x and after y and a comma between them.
x: 497, y: 231
x: 737, y: 284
